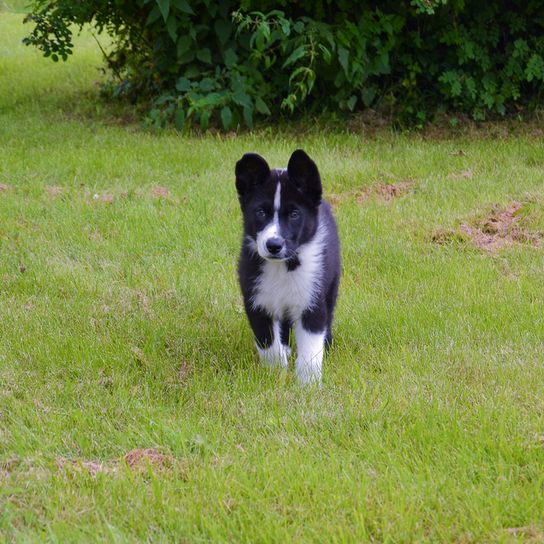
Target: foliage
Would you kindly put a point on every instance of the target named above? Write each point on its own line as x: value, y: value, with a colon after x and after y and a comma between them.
x: 223, y: 62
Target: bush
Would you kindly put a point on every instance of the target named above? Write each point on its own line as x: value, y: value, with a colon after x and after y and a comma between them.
x: 226, y: 62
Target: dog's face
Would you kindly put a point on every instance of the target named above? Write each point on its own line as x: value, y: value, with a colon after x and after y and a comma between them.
x: 280, y: 207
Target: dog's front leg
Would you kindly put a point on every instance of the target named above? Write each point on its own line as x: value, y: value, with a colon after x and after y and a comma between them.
x: 268, y: 338
x: 310, y: 346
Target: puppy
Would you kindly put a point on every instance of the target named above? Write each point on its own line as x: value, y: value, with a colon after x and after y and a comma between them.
x: 289, y: 267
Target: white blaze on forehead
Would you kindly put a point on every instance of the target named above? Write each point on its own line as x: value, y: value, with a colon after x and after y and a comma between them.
x: 272, y: 230
x: 277, y: 199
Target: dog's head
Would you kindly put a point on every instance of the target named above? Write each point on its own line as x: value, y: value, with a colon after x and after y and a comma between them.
x: 280, y: 207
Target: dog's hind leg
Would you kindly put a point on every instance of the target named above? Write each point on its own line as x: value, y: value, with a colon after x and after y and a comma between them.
x: 332, y: 295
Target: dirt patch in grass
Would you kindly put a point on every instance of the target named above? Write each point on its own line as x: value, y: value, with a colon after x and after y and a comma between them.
x: 160, y: 192
x: 527, y: 534
x: 184, y: 373
x: 4, y: 187
x: 463, y: 174
x: 137, y: 460
x: 384, y: 192
x: 54, y: 190
x: 140, y: 459
x: 106, y: 197
x: 389, y: 191
x: 7, y: 466
x: 503, y: 226
x: 81, y: 466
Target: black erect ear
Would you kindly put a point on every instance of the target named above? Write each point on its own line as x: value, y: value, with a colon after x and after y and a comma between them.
x: 251, y: 170
x: 303, y: 173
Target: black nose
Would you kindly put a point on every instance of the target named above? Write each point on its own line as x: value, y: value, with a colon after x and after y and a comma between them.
x: 274, y: 245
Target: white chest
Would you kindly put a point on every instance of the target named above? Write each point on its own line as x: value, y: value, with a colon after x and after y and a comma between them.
x: 289, y: 293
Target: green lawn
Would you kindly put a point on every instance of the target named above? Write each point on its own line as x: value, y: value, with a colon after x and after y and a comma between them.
x: 122, y: 328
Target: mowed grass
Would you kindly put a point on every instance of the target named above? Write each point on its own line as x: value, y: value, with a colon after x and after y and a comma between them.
x: 122, y: 328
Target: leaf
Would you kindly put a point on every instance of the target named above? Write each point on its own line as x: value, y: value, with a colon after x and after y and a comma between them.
x: 204, y: 55
x: 241, y: 98
x: 248, y: 116
x: 163, y: 99
x: 192, y: 71
x: 164, y: 6
x: 230, y: 57
x: 352, y: 100
x: 368, y: 94
x: 299, y: 73
x: 470, y: 84
x: 327, y: 55
x: 206, y: 84
x: 154, y: 14
x: 383, y: 64
x: 223, y: 29
x: 184, y: 44
x: 226, y: 117
x: 154, y: 114
x: 535, y: 68
x: 297, y: 54
x: 212, y: 99
x: 343, y: 55
x: 261, y: 106
x: 179, y: 118
x: 205, y: 120
x: 172, y: 27
x: 285, y: 26
x: 520, y: 48
x: 185, y: 49
x: 183, y: 84
x: 184, y: 6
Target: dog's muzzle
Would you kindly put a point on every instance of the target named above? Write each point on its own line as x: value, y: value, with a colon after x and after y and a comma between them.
x: 274, y: 246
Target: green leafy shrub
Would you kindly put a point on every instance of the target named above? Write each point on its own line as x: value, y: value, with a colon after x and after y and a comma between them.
x: 225, y: 62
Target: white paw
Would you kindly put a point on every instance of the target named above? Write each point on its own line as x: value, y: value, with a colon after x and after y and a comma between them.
x: 308, y: 373
x: 274, y: 356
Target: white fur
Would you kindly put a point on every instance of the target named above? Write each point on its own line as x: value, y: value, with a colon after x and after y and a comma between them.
x: 277, y: 198
x: 310, y: 347
x: 271, y: 230
x: 284, y: 293
x: 276, y: 354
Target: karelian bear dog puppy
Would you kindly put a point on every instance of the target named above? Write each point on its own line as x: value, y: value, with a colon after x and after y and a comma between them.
x: 289, y: 267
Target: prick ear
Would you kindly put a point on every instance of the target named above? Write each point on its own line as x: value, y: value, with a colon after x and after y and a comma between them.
x: 303, y: 173
x: 251, y: 170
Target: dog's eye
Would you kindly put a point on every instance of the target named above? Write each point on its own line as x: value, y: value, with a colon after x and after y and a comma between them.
x: 294, y: 214
x: 260, y: 213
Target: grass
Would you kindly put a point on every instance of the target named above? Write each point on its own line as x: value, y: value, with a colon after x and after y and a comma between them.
x: 121, y: 327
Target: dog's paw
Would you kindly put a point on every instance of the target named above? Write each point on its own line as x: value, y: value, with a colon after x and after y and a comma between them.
x: 307, y: 373
x: 273, y: 356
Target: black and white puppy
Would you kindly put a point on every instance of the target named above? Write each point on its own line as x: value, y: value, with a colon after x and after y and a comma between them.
x: 289, y: 266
